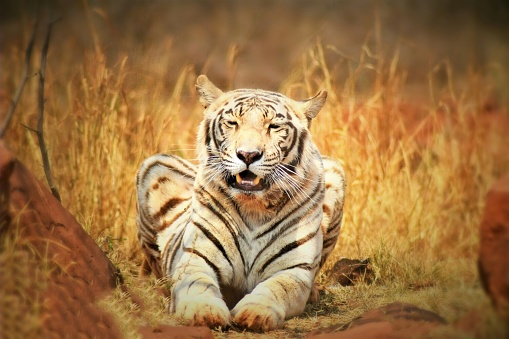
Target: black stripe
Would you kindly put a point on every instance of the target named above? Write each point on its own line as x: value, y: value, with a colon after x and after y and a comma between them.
x: 282, y: 286
x: 168, y: 205
x: 270, y: 101
x: 288, y: 115
x: 241, y: 99
x: 205, y: 202
x: 146, y: 224
x: 290, y: 226
x: 214, y: 267
x: 329, y: 242
x: 206, y: 129
x: 293, y: 141
x: 146, y: 173
x: 185, y: 164
x: 175, y: 249
x: 289, y: 247
x: 153, y: 246
x: 285, y: 218
x: 168, y: 242
x: 175, y: 169
x: 190, y: 285
x: 336, y: 223
x: 305, y: 266
x: 207, y: 285
x: 302, y: 139
x: 228, y: 198
x: 212, y: 132
x: 220, y: 215
x: 214, y: 240
x: 170, y: 222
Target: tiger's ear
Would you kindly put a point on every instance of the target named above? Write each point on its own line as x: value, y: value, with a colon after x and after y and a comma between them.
x: 312, y: 106
x: 207, y: 91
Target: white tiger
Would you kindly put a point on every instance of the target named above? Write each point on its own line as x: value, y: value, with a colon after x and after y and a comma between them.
x: 242, y: 235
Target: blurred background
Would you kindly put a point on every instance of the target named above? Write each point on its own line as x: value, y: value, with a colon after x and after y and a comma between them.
x: 266, y: 39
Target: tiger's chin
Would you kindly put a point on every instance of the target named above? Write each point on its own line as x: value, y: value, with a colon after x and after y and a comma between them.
x: 247, y: 182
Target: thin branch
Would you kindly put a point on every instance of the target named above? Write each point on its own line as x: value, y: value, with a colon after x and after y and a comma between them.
x: 24, y: 78
x: 40, y: 136
x: 29, y: 128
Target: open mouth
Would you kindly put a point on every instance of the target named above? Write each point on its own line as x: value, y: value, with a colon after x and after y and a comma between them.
x: 247, y: 181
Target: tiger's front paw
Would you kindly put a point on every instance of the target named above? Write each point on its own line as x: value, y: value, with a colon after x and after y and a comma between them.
x: 258, y: 317
x: 203, y: 311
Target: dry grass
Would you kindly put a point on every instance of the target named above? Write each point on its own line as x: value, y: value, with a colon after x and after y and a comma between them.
x: 418, y: 173
x: 20, y: 288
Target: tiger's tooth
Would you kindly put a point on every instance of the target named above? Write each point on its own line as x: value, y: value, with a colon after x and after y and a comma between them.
x: 256, y: 181
x: 238, y: 178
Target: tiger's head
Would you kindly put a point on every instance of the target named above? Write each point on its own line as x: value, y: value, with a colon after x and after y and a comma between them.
x: 256, y: 141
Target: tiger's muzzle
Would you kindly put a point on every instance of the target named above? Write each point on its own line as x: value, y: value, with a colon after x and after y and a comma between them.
x: 247, y: 181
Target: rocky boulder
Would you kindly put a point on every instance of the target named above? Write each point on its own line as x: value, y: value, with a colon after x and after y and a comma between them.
x: 69, y: 270
x: 494, y: 246
x: 395, y: 320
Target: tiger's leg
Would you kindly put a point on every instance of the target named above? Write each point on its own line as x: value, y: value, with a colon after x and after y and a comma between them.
x: 196, y: 296
x: 164, y: 186
x: 283, y: 294
x: 335, y: 186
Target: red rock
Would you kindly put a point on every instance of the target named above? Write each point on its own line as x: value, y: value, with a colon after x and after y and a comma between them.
x: 76, y: 271
x: 396, y: 320
x: 176, y: 332
x: 494, y: 246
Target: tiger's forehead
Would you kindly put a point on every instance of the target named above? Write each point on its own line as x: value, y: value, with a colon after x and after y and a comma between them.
x: 269, y: 105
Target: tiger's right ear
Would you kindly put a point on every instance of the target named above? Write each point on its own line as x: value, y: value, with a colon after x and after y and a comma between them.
x: 207, y: 91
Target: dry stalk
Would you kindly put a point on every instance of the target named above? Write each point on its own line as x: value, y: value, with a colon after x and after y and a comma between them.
x: 21, y: 86
x: 40, y: 135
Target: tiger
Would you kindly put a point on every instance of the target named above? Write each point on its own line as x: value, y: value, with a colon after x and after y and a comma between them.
x: 242, y: 234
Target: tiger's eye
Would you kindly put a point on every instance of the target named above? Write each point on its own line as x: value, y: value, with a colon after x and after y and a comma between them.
x: 231, y: 123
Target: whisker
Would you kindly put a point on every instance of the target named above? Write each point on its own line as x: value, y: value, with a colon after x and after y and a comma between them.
x: 215, y: 167
x: 292, y: 184
x: 282, y: 187
x: 287, y: 169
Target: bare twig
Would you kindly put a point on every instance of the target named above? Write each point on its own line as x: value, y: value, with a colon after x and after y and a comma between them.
x: 40, y: 136
x: 24, y: 78
x: 29, y: 128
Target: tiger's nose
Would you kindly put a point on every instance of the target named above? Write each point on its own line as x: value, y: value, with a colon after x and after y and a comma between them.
x: 249, y: 157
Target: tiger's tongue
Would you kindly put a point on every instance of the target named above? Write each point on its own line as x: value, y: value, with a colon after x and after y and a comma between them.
x: 247, y: 178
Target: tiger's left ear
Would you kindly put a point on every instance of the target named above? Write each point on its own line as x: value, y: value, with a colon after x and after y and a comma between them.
x: 312, y: 106
x: 207, y: 91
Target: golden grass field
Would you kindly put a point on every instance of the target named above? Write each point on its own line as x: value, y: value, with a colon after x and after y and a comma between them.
x: 420, y: 151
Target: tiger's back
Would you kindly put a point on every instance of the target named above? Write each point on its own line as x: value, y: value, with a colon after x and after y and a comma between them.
x: 164, y: 190
x: 242, y: 235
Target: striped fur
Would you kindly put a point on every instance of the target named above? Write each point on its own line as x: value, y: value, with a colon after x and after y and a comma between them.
x: 242, y: 235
